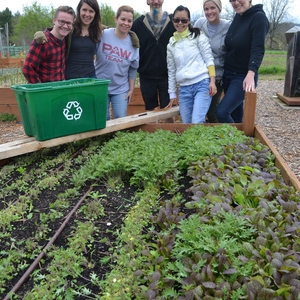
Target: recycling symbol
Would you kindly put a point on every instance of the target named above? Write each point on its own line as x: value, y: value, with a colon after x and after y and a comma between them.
x: 72, y: 111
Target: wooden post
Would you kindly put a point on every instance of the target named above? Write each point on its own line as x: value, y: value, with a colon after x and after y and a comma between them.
x: 249, y: 113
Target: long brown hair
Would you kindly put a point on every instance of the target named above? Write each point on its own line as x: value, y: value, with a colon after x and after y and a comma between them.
x: 95, y: 28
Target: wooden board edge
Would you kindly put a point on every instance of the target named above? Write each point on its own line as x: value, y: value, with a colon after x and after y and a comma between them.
x: 288, y: 175
x: 291, y: 101
x: 28, y: 145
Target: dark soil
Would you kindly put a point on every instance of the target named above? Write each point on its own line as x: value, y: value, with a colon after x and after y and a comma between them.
x: 116, y: 204
x: 113, y: 216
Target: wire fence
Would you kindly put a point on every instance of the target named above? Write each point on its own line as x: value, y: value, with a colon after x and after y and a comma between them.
x: 14, y: 51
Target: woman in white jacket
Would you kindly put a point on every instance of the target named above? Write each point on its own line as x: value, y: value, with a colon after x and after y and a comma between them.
x: 191, y: 65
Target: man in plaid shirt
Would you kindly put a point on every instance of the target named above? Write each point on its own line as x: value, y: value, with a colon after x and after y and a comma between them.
x: 47, y: 62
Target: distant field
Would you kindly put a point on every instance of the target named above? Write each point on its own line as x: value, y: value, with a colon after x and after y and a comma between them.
x: 273, y: 66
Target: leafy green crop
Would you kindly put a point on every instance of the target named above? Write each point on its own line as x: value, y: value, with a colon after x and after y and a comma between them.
x: 237, y: 239
x: 229, y: 229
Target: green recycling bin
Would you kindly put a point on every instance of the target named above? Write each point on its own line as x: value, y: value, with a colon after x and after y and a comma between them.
x: 61, y: 108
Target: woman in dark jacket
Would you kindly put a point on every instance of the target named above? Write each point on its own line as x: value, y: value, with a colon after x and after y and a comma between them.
x: 245, y: 48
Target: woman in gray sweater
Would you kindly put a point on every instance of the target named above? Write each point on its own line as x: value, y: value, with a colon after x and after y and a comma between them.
x: 215, y: 28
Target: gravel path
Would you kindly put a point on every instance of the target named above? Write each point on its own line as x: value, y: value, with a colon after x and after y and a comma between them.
x: 279, y: 122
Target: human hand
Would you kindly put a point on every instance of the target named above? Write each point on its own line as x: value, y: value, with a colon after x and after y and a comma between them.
x: 129, y: 96
x: 171, y: 103
x: 40, y: 37
x: 248, y: 83
x: 212, y: 89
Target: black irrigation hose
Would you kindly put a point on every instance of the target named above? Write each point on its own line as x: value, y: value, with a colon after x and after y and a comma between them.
x: 41, y: 255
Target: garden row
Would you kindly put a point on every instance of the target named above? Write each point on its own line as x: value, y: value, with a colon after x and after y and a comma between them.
x: 203, y: 214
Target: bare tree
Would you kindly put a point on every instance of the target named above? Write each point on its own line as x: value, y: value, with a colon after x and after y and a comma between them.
x: 276, y: 12
x: 195, y: 15
x: 228, y: 12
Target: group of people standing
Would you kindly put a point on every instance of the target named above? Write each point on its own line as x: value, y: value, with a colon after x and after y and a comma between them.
x: 87, y: 49
x: 201, y: 61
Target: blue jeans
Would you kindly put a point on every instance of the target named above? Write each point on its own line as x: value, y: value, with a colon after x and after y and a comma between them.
x: 194, y: 102
x: 119, y: 105
x: 231, y: 107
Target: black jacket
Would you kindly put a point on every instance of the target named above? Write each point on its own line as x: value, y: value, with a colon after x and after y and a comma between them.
x: 245, y: 40
x: 153, y: 53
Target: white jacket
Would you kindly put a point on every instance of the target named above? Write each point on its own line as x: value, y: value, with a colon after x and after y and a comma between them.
x: 188, y: 60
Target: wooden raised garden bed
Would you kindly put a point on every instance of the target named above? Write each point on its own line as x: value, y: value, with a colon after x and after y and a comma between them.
x: 136, y: 107
x: 8, y: 102
x: 11, y: 62
x: 199, y: 212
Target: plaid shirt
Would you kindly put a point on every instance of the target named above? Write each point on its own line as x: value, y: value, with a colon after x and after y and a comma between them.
x: 46, y: 62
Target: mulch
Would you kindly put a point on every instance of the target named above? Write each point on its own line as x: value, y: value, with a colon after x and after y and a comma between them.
x: 11, y: 131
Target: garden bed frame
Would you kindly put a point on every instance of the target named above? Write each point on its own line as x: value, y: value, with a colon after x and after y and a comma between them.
x: 144, y: 121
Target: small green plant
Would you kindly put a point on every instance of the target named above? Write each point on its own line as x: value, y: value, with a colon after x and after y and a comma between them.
x: 5, y: 117
x: 231, y: 233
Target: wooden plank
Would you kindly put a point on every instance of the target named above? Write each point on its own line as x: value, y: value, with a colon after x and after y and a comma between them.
x: 137, y: 98
x: 8, y: 102
x: 11, y: 109
x: 9, y: 62
x: 135, y: 109
x: 289, y: 100
x: 249, y: 113
x: 8, y: 96
x: 289, y: 177
x: 30, y: 145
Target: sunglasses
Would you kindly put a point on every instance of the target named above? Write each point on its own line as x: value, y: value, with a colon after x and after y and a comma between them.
x: 183, y: 21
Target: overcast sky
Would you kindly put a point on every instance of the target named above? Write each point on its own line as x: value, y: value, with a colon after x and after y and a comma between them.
x: 139, y: 5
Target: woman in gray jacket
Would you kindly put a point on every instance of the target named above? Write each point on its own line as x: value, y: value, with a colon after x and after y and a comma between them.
x: 215, y: 28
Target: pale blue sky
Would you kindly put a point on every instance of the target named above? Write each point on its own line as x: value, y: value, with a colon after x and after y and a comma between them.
x: 139, y: 6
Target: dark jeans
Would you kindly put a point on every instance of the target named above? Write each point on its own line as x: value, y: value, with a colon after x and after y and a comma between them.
x: 231, y: 107
x: 155, y: 92
x: 212, y: 112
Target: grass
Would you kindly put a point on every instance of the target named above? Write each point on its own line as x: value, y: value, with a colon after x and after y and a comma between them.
x: 273, y: 66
